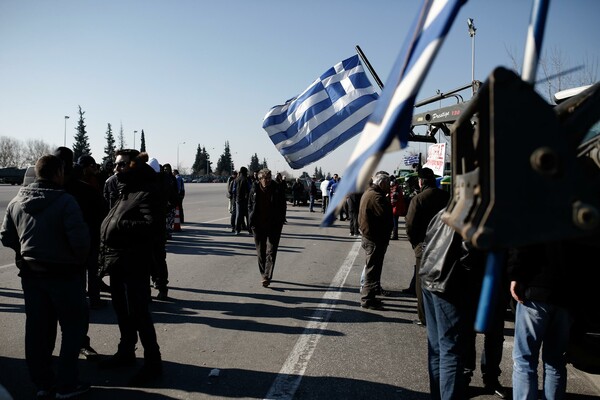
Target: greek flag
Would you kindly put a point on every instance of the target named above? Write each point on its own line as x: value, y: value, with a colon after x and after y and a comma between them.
x: 412, y: 159
x: 390, y: 122
x: 332, y: 110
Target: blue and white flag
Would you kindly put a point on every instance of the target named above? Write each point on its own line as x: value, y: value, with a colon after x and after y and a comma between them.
x: 390, y: 122
x: 332, y: 110
x: 412, y: 159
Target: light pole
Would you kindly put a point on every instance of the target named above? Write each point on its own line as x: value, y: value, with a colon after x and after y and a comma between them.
x: 65, y: 139
x: 472, y: 31
x: 178, y: 153
x: 134, y: 132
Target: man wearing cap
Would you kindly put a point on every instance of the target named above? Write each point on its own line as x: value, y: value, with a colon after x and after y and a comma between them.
x: 421, y: 210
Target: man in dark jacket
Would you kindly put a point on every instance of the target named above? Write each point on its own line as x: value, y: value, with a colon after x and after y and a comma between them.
x: 231, y: 196
x: 421, y: 210
x: 127, y: 231
x: 45, y: 227
x: 266, y: 214
x: 172, y: 198
x: 160, y: 275
x: 375, y: 224
x: 242, y: 191
x: 94, y: 209
x: 312, y: 193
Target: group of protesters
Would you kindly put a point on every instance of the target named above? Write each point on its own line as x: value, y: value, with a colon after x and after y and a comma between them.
x: 74, y: 225
x: 448, y: 276
x: 77, y: 221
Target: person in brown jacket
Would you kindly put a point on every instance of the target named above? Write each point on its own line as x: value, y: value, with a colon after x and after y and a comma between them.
x: 376, y: 224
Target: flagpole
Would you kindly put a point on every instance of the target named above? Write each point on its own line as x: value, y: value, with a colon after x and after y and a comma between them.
x: 369, y: 67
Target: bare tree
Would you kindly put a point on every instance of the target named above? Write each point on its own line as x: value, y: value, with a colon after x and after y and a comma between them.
x: 558, y: 72
x: 34, y: 149
x: 10, y: 152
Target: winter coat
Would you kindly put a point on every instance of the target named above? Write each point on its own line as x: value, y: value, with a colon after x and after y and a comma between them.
x: 242, y: 189
x: 375, y: 215
x: 45, y: 227
x: 397, y: 200
x: 133, y: 225
x: 421, y: 210
x: 276, y: 206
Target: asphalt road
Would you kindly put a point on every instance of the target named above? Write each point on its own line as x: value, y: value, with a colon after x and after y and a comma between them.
x: 305, y: 337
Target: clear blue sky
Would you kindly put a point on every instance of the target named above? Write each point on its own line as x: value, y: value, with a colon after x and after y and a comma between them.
x: 206, y: 72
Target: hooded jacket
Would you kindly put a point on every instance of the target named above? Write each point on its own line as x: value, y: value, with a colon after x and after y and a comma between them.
x: 45, y: 227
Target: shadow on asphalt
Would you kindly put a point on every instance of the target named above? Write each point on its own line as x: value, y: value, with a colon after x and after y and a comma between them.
x: 190, y: 379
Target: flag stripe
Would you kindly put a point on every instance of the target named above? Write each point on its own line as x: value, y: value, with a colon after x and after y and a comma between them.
x: 535, y: 36
x: 333, y: 109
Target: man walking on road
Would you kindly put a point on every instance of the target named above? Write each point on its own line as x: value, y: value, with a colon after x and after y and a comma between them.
x: 266, y: 215
x: 375, y: 224
x: 45, y: 227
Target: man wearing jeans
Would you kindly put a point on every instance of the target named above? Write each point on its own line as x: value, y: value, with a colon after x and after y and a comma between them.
x: 543, y: 289
x: 421, y: 210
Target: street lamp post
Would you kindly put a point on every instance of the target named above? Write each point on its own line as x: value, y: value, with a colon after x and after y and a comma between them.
x: 134, y: 132
x: 65, y: 139
x: 472, y: 31
x: 178, y: 153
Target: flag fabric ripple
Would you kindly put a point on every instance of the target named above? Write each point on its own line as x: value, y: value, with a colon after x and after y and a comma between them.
x: 390, y: 123
x: 333, y: 109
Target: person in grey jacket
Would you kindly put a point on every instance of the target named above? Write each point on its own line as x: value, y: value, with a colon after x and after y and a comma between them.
x: 44, y: 226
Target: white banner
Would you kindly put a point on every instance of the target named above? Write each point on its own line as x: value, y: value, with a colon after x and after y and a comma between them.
x: 436, y: 158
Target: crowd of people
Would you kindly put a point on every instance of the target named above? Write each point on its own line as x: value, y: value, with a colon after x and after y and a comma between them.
x: 75, y: 224
x: 447, y: 279
x: 78, y: 223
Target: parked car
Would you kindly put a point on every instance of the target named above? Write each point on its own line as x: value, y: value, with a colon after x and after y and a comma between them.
x: 13, y: 176
x: 29, y: 175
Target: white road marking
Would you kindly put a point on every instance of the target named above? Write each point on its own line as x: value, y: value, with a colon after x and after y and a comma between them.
x: 288, y: 380
x: 216, y: 220
x: 7, y: 266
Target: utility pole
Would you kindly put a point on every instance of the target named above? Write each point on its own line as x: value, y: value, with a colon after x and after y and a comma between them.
x: 65, y: 139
